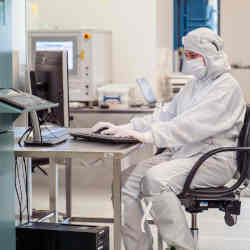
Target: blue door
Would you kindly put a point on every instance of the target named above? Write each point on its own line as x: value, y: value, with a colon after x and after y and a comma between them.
x: 192, y: 14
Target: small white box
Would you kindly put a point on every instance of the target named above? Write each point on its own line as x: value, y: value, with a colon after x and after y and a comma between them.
x: 178, y: 81
x: 114, y: 93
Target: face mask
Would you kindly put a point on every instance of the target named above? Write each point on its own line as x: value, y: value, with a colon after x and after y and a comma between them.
x: 194, y: 67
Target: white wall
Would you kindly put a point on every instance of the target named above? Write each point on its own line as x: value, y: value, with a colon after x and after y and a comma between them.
x: 165, y: 28
x: 140, y: 27
x: 19, y: 26
x: 19, y: 41
x: 133, y: 24
x: 235, y: 21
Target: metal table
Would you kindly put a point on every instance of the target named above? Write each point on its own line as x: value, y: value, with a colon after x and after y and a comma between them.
x: 87, y: 151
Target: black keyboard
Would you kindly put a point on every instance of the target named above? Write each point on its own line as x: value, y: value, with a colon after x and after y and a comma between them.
x: 94, y: 137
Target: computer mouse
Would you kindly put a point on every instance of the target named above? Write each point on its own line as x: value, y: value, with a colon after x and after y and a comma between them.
x: 100, y: 130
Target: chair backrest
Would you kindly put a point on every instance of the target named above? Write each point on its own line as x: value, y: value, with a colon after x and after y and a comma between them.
x: 243, y: 158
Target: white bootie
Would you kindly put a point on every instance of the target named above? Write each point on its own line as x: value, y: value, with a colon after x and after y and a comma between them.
x: 170, y: 219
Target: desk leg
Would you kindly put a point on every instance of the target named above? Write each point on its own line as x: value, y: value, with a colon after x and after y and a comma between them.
x: 68, y: 186
x: 53, y: 188
x: 29, y: 180
x: 117, y: 203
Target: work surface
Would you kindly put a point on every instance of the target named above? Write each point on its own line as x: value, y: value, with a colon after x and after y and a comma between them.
x: 73, y: 148
x: 85, y: 150
x: 116, y: 109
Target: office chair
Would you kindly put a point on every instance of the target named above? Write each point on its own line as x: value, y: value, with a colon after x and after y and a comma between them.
x: 226, y: 199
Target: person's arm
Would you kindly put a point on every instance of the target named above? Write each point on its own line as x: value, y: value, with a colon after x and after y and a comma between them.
x: 162, y: 113
x: 221, y: 110
x: 139, y: 128
x: 143, y: 124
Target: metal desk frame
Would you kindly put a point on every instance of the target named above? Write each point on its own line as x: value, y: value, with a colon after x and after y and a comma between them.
x: 86, y: 150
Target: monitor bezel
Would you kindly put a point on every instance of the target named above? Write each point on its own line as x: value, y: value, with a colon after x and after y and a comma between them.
x: 55, y: 38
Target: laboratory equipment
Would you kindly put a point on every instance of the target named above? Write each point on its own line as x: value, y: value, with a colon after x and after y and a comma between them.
x: 114, y: 93
x: 89, y: 57
x: 178, y: 81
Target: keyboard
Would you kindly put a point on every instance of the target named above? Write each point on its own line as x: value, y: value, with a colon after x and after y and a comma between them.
x: 50, y: 136
x: 87, y: 135
x: 22, y: 100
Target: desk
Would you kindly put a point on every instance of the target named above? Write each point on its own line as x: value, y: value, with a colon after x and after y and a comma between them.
x: 118, y: 109
x: 86, y: 117
x: 86, y: 150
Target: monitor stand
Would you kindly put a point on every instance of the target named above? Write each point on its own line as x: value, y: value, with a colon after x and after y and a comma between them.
x: 36, y: 127
x: 57, y: 135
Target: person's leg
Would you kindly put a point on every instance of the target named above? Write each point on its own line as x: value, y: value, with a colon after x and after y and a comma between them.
x: 163, y: 182
x: 133, y: 237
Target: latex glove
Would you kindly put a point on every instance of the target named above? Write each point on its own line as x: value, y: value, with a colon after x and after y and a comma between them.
x: 101, y: 125
x: 124, y: 132
x: 126, y: 126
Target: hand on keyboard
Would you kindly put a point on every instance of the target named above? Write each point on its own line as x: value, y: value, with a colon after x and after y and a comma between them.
x: 129, y: 133
x: 100, y: 126
x: 99, y: 131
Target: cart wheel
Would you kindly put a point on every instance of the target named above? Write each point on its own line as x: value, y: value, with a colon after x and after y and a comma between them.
x: 230, y: 219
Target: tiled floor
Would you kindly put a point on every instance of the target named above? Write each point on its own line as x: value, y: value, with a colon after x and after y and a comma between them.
x: 94, y: 200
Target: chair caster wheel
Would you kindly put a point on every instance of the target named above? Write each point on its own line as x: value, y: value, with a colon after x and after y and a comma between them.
x: 230, y: 219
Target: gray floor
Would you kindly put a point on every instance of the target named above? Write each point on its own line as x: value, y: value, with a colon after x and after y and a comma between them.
x: 91, y: 197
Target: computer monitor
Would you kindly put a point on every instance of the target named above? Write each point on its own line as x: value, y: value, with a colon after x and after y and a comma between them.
x: 41, y: 41
x: 146, y: 91
x: 49, y: 81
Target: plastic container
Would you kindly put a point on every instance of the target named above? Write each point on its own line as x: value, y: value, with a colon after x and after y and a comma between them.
x: 114, y: 93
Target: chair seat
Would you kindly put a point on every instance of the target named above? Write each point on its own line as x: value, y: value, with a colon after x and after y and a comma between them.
x: 196, y: 203
x: 231, y: 195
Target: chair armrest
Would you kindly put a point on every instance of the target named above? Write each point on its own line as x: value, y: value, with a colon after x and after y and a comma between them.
x: 159, y: 151
x: 187, y: 189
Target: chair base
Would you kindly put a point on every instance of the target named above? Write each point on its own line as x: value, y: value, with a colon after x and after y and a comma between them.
x: 195, y: 233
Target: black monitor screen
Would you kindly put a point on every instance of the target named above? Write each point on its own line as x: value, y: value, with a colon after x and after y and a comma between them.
x: 58, y: 45
x: 47, y: 82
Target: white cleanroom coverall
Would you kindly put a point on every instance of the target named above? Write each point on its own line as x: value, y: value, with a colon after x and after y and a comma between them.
x: 208, y: 113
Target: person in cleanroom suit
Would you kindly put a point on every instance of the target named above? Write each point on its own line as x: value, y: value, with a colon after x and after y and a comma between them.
x: 207, y: 113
